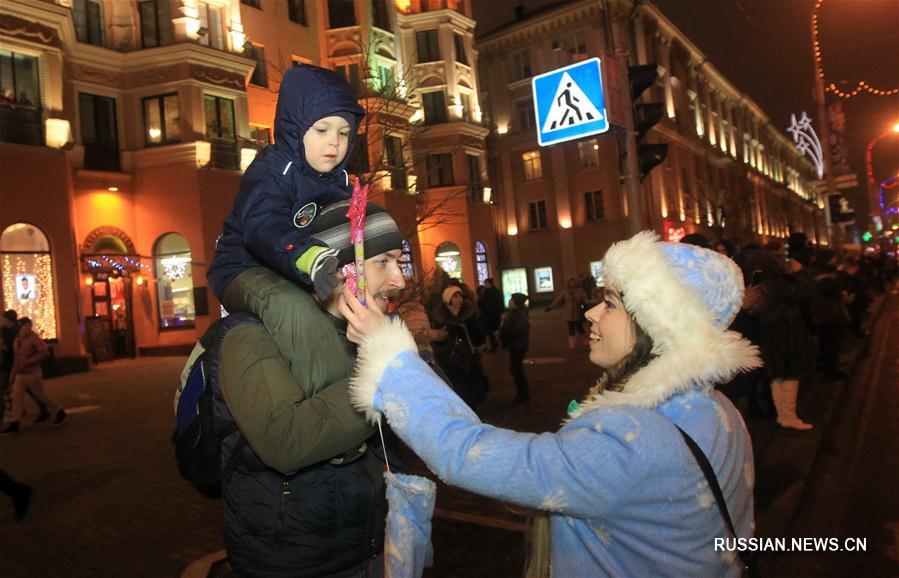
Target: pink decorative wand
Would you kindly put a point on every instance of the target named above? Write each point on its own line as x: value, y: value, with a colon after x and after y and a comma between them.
x: 356, y: 215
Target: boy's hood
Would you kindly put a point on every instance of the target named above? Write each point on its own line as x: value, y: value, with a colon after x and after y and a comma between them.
x: 307, y: 94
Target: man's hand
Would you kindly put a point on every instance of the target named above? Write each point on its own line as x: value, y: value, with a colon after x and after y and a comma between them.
x: 362, y: 321
x: 752, y: 298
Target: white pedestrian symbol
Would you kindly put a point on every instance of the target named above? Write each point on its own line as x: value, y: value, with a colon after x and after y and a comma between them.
x: 570, y: 107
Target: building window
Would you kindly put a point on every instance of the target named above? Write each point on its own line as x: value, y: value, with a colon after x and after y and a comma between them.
x: 211, y: 30
x: 155, y: 23
x: 537, y: 215
x: 386, y: 80
x: 341, y: 13
x: 393, y: 150
x: 162, y: 120
x: 252, y: 3
x: 526, y: 118
x: 461, y: 57
x: 296, y: 11
x: 435, y: 107
x: 521, y: 63
x: 98, y: 132
x: 440, y: 170
x: 533, y: 167
x: 20, y: 99
x: 474, y: 178
x: 220, y: 131
x: 350, y: 72
x: 88, y: 19
x: 405, y: 261
x: 588, y: 152
x: 174, y: 282
x: 428, y: 46
x: 27, y: 277
x: 257, y: 53
x: 577, y: 46
x: 261, y: 136
x: 449, y: 258
x: 380, y: 15
x: 480, y: 262
x: 594, y: 206
x: 465, y: 101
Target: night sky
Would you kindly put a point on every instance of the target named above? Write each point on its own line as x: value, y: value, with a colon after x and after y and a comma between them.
x: 764, y: 47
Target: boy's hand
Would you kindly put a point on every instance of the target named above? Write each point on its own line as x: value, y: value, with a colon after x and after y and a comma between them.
x: 320, y: 264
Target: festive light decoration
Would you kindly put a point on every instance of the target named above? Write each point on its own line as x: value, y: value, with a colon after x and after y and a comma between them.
x: 819, y: 67
x: 42, y: 308
x: 807, y: 141
x: 175, y: 267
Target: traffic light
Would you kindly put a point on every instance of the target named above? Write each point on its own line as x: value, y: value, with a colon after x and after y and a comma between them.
x: 646, y: 116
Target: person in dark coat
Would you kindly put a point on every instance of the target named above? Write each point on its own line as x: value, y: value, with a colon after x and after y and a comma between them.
x: 515, y: 334
x: 829, y: 315
x: 288, y: 183
x: 490, y: 306
x: 784, y: 340
x: 458, y: 355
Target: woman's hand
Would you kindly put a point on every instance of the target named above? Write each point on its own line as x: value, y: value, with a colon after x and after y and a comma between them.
x: 362, y: 321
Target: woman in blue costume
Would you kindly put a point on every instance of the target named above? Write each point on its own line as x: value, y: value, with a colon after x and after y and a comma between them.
x: 618, y: 489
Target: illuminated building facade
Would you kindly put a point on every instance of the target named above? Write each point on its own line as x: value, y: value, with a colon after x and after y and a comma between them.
x: 125, y: 126
x: 728, y: 172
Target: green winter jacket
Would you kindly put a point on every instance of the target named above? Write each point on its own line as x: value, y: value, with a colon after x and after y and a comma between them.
x: 310, y: 495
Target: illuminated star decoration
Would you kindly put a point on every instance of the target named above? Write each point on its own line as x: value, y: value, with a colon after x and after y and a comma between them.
x: 356, y: 215
x: 807, y: 141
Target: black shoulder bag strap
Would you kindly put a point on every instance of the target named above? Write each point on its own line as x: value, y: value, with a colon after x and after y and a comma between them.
x: 745, y: 556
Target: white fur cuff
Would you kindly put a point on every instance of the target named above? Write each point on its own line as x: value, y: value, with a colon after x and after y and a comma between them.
x: 376, y: 351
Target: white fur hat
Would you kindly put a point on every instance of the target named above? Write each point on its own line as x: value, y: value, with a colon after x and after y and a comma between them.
x: 684, y: 297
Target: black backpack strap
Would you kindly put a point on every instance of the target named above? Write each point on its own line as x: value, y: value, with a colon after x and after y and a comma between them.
x: 709, y: 473
x: 231, y: 465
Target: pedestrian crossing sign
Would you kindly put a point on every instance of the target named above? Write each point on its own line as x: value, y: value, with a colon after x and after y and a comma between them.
x: 569, y: 103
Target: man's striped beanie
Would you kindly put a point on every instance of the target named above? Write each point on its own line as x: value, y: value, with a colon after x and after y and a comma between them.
x: 332, y: 227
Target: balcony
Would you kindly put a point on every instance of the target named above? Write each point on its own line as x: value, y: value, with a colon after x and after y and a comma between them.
x: 21, y: 125
x: 102, y: 157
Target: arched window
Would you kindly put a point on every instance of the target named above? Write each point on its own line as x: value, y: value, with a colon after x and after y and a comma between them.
x: 174, y: 282
x: 480, y: 260
x: 449, y: 258
x: 406, y: 265
x: 27, y: 269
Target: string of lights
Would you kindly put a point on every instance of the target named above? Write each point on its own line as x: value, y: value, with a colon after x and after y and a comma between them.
x: 862, y: 86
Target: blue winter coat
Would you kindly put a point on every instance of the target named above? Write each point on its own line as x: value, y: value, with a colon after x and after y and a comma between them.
x: 625, y: 495
x: 280, y: 192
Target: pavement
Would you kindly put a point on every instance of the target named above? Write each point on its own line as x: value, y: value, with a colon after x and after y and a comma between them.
x: 108, y: 500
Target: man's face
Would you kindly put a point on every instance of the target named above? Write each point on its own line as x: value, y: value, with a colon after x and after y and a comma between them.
x: 384, y: 278
x: 326, y: 143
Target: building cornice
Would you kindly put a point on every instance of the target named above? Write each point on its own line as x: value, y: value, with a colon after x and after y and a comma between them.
x: 423, y: 20
x: 531, y: 28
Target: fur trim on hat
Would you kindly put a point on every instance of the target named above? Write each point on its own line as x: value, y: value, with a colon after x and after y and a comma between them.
x: 449, y: 292
x: 375, y: 352
x: 691, y: 349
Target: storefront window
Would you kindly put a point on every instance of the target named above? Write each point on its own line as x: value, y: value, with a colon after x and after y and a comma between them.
x: 27, y: 269
x: 450, y: 259
x: 174, y: 282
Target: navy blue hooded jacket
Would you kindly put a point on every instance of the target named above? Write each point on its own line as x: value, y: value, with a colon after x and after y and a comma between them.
x: 280, y: 192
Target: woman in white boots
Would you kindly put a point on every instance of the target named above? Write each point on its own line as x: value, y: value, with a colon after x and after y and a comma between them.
x: 619, y: 489
x: 786, y: 345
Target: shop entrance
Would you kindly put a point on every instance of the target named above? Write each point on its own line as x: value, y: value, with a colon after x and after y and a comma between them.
x: 111, y: 301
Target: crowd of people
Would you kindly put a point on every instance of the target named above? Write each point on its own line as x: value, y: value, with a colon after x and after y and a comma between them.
x: 800, y: 305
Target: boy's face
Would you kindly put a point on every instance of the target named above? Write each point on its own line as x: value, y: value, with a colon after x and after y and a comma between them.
x: 326, y: 142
